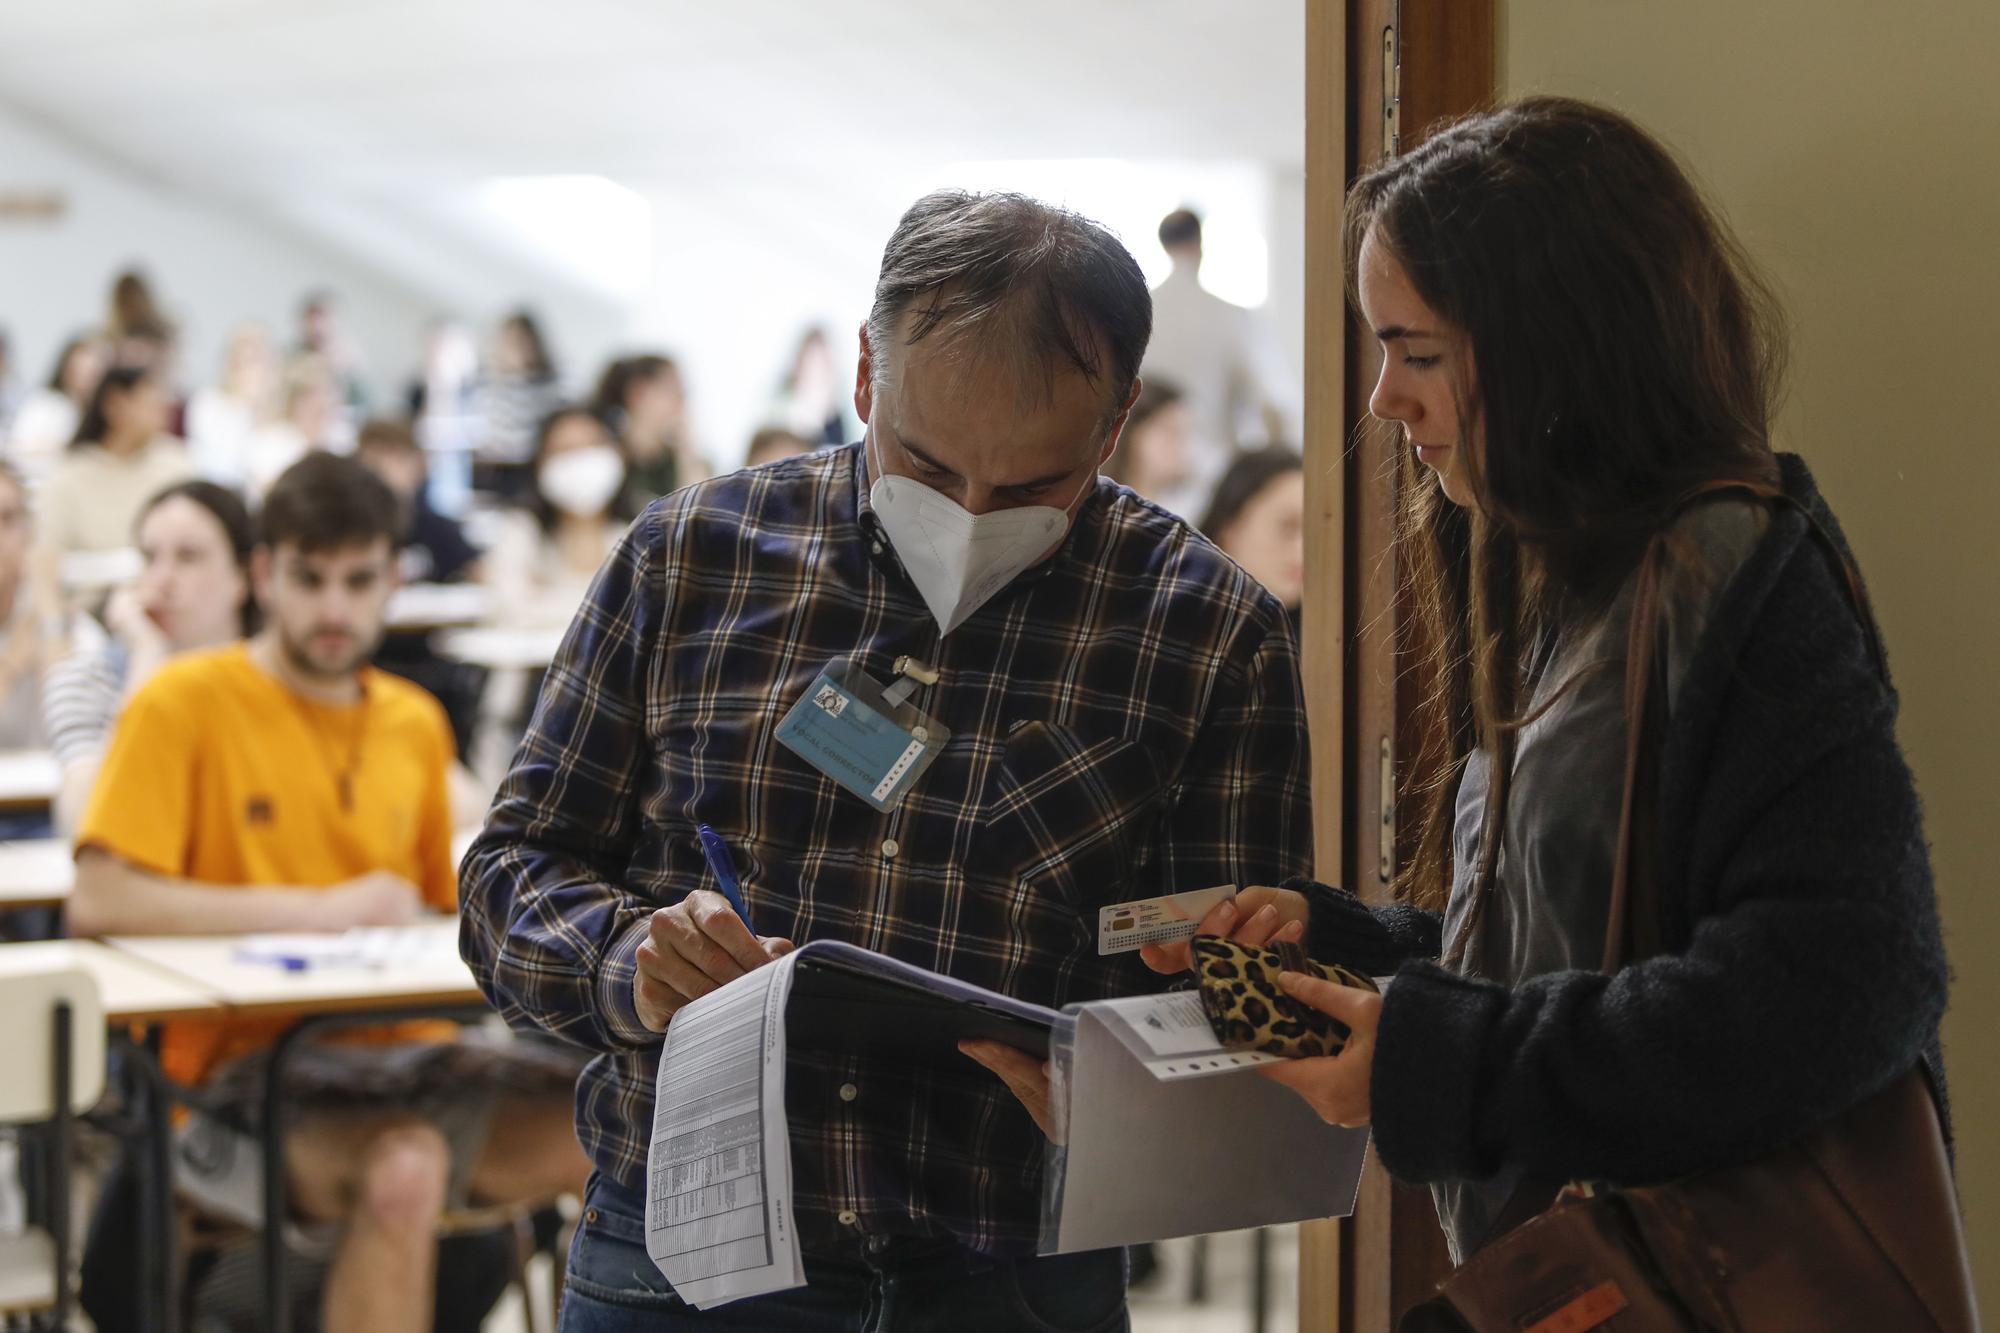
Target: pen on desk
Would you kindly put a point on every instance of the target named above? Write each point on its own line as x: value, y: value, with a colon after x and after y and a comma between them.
x: 717, y: 853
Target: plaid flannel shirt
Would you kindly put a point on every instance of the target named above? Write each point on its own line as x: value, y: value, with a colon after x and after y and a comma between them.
x: 1126, y: 720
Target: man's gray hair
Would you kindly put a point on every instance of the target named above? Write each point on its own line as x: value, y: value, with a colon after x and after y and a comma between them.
x: 1008, y: 276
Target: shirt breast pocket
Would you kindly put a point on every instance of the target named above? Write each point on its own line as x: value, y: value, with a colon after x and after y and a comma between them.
x: 1069, y: 818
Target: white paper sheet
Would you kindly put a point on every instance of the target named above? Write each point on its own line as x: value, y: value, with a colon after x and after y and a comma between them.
x: 1171, y: 1036
x: 719, y: 1217
x: 364, y: 948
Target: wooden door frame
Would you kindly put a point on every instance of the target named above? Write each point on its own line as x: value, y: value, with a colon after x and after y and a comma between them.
x: 1324, y: 627
x: 1359, y: 1275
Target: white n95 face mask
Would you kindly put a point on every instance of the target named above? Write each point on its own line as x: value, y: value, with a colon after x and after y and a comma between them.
x: 583, y: 482
x: 957, y: 559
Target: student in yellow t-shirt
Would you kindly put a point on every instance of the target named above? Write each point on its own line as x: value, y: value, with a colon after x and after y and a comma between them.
x: 281, y: 783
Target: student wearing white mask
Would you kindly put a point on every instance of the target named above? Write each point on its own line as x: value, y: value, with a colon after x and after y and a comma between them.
x: 1118, y: 715
x: 544, y: 558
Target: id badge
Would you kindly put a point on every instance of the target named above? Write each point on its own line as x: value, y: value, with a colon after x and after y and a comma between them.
x: 867, y: 737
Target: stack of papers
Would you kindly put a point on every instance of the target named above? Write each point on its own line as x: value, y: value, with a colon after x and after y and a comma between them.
x: 719, y: 1169
x: 1149, y: 1106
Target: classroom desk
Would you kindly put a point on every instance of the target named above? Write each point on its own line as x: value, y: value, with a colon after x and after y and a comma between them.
x: 28, y: 779
x: 429, y: 980
x: 431, y: 975
x: 36, y: 872
x: 130, y: 989
x: 502, y: 648
x: 426, y: 606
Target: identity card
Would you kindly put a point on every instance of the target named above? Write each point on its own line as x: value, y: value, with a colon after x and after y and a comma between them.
x: 1123, y: 927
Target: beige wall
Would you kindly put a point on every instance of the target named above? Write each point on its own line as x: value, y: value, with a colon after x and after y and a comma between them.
x: 1856, y: 148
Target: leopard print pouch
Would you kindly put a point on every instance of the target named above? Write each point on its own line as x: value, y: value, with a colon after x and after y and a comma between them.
x: 1239, y: 993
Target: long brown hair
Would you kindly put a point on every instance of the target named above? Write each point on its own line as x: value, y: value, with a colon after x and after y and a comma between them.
x: 1624, y: 353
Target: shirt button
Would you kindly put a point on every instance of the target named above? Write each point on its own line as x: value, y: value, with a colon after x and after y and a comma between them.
x: 848, y: 1217
x: 876, y: 547
x: 890, y: 847
x: 848, y: 1092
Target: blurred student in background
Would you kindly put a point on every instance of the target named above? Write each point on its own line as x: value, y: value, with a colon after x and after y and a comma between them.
x: 511, y: 401
x: 545, y: 555
x: 322, y: 339
x: 309, y: 418
x: 193, y: 592
x: 134, y: 313
x: 141, y: 336
x: 284, y: 784
x: 223, y: 419
x: 431, y: 549
x: 642, y: 400
x: 23, y: 628
x: 1258, y: 518
x: 434, y: 548
x: 47, y: 417
x: 811, y: 401
x: 120, y: 457
x: 438, y: 399
x: 447, y: 373
x: 1155, y: 455
x: 774, y: 443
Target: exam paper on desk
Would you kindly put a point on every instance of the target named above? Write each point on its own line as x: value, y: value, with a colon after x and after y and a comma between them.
x: 363, y: 948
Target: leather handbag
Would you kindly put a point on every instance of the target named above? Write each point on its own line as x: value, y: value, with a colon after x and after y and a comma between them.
x: 1854, y: 1228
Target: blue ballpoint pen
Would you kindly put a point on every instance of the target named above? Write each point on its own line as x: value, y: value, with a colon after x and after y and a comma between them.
x: 717, y: 853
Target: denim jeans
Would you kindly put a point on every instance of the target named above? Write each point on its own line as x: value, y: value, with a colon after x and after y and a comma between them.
x: 613, y: 1286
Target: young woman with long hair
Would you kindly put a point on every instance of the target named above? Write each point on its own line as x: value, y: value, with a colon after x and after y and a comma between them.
x: 1581, y: 367
x: 120, y: 455
x: 194, y: 591
x: 643, y: 400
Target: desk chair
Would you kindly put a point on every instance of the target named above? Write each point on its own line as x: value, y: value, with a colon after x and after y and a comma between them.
x: 52, y: 1048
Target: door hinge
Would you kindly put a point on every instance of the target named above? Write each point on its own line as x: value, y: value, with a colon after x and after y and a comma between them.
x: 1392, y: 94
x: 1385, y: 848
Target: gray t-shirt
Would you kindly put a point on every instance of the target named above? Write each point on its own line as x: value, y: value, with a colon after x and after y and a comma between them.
x: 1552, y: 881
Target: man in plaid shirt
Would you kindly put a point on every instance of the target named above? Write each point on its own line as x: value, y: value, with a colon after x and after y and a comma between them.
x: 1125, y: 720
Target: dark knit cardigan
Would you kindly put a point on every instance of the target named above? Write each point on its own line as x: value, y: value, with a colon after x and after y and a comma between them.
x: 1804, y: 966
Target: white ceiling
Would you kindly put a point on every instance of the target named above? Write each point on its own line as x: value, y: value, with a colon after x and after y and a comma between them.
x: 359, y: 100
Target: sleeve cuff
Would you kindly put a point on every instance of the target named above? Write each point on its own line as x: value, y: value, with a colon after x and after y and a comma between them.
x: 1424, y: 1088
x: 1374, y: 940
x: 616, y: 1006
